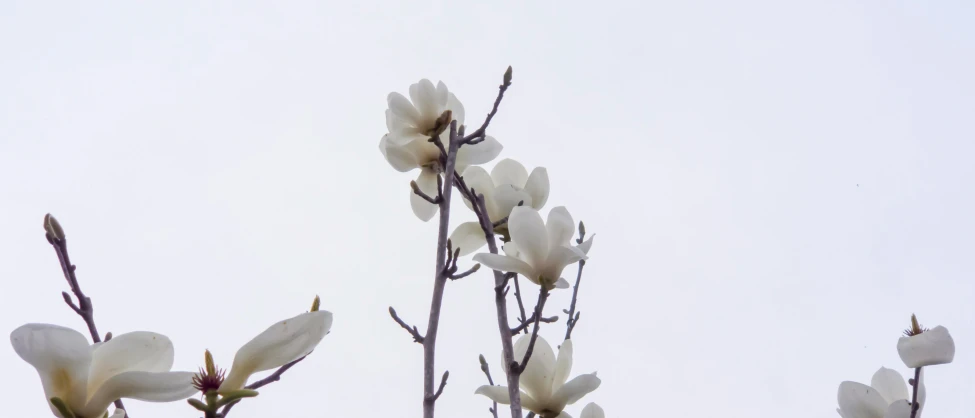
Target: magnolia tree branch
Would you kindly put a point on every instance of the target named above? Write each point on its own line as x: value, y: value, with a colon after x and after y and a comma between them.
x: 915, y: 406
x: 273, y: 377
x: 570, y: 324
x: 487, y: 372
x: 55, y: 236
x: 542, y: 297
x: 524, y: 325
x: 521, y: 305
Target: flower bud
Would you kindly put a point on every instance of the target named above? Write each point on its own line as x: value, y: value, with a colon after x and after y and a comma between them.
x: 53, y: 228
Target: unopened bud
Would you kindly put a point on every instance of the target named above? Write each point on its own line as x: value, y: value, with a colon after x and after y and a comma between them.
x: 208, y: 359
x: 484, y: 365
x: 507, y: 76
x: 108, y: 336
x: 234, y: 395
x: 582, y: 230
x: 315, y: 304
x: 196, y: 403
x: 53, y: 228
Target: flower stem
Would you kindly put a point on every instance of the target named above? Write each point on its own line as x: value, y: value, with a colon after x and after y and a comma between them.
x: 917, y: 383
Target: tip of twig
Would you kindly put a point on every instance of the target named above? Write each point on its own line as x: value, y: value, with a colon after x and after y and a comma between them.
x: 52, y: 229
x: 507, y: 76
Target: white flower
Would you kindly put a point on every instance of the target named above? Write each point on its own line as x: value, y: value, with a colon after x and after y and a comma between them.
x: 407, y: 147
x: 886, y: 397
x: 280, y: 344
x: 545, y: 390
x: 592, y: 411
x: 508, y: 184
x: 931, y: 347
x: 538, y: 250
x: 88, y: 378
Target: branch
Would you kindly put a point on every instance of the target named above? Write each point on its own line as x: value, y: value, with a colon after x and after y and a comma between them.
x: 412, y: 330
x: 521, y: 305
x: 274, y: 377
x: 916, y: 383
x: 478, y: 135
x: 56, y: 237
x: 487, y: 372
x: 542, y: 297
x: 443, y: 382
x: 418, y: 192
x: 570, y: 324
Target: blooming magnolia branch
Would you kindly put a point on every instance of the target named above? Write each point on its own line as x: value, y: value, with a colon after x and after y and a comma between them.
x: 570, y: 323
x: 55, y: 236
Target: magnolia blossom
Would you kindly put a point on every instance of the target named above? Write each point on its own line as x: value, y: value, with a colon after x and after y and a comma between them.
x: 538, y: 250
x: 508, y: 184
x: 546, y: 389
x: 927, y: 347
x: 591, y: 411
x: 280, y: 344
x: 886, y: 397
x: 411, y: 125
x: 89, y: 377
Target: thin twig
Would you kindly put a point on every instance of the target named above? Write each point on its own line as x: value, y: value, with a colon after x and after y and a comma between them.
x: 542, y: 297
x: 570, y: 323
x: 524, y: 325
x: 915, y: 406
x: 487, y: 372
x: 480, y: 132
x: 417, y: 337
x: 521, y: 305
x: 443, y: 382
x: 469, y: 272
x: 428, y: 198
x: 274, y: 377
x: 56, y: 237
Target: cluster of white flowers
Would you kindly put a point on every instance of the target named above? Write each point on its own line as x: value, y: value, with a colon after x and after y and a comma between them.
x: 888, y: 395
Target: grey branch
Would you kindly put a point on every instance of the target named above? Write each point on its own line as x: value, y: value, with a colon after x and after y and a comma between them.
x: 417, y: 337
x: 573, y: 319
x: 542, y: 297
x: 524, y: 325
x: 274, y: 377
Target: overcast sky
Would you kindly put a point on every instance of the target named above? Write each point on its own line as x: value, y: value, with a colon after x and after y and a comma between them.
x: 775, y: 187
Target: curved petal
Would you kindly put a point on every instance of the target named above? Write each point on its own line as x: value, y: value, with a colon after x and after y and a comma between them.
x: 507, y: 197
x: 134, y: 351
x: 530, y: 403
x: 442, y: 96
x: 931, y: 347
x: 890, y: 384
x: 398, y: 156
x: 537, y: 377
x: 562, y: 284
x: 560, y: 226
x: 528, y: 232
x: 428, y: 184
x: 424, y: 97
x: 506, y: 264
x: 456, y: 108
x: 563, y: 366
x: 899, y: 409
x: 280, y: 344
x: 402, y: 108
x: 498, y: 394
x: 555, y: 264
x: 144, y: 386
x: 537, y: 187
x: 576, y: 388
x: 592, y: 411
x: 61, y: 357
x: 508, y: 171
x: 480, y: 153
x: 857, y: 400
x: 586, y: 245
x: 469, y: 237
x: 402, y: 131
x: 478, y: 179
x: 510, y: 249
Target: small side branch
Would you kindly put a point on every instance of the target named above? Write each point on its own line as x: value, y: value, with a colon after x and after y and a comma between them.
x: 274, y: 377
x: 478, y: 135
x: 521, y: 305
x: 573, y: 319
x: 524, y: 325
x: 443, y: 382
x: 542, y: 297
x: 415, y: 333
x: 428, y: 198
x: 487, y: 372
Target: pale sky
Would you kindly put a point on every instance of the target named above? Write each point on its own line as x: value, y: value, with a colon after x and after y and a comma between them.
x: 775, y: 187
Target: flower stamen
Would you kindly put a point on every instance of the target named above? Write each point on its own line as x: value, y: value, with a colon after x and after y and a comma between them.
x: 915, y: 328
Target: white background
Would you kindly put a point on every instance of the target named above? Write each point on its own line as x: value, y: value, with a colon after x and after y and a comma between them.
x: 775, y: 188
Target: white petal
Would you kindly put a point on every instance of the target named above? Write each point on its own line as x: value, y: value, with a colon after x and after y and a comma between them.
x: 480, y: 153
x: 558, y: 259
x: 537, y: 377
x: 456, y: 108
x: 134, y: 351
x: 118, y: 413
x: 563, y: 365
x: 60, y: 355
x: 899, y: 409
x: 442, y: 95
x: 143, y: 386
x: 398, y: 156
x: 890, y: 384
x: 560, y: 227
x: 280, y: 344
x: 562, y: 284
x: 507, y: 197
x: 428, y: 184
x: 498, y: 394
x: 511, y: 250
x: 478, y: 179
x: 424, y: 97
x: 508, y: 171
x: 928, y: 348
x: 857, y: 400
x: 530, y: 403
x: 592, y: 411
x: 563, y: 414
x: 505, y: 264
x: 469, y: 237
x: 537, y: 187
x: 586, y: 245
x: 576, y: 388
x: 528, y: 231
x: 402, y: 108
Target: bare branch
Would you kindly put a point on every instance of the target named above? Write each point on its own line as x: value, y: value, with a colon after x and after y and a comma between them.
x: 570, y: 323
x: 521, y: 305
x: 469, y: 272
x: 412, y: 330
x: 478, y: 135
x: 418, y: 192
x: 274, y: 377
x: 542, y: 297
x: 487, y: 372
x: 443, y: 382
x: 524, y: 325
x: 916, y: 382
